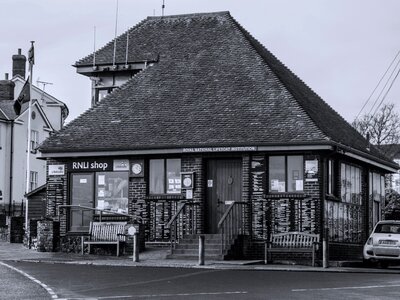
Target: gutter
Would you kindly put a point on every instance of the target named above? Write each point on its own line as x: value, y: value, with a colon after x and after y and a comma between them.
x: 374, y: 163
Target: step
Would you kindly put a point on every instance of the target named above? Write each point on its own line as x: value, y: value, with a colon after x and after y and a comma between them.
x: 206, y: 236
x: 194, y: 257
x: 196, y: 246
x: 196, y: 251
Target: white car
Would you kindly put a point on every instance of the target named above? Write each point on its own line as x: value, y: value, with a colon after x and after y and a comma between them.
x: 383, y: 245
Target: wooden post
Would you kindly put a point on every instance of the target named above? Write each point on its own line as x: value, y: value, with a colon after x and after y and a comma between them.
x: 201, y: 250
x: 135, y: 247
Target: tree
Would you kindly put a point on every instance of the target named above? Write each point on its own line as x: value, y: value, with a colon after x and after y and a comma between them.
x: 383, y: 127
x: 392, y: 207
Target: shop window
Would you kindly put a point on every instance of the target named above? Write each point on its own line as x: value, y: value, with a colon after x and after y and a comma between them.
x: 286, y: 173
x: 377, y: 194
x: 34, y: 140
x: 112, y: 191
x: 33, y: 180
x: 164, y: 176
x: 350, y: 184
x: 345, y: 218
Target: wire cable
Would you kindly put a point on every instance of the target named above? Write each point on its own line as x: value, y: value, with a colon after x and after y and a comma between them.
x: 383, y: 76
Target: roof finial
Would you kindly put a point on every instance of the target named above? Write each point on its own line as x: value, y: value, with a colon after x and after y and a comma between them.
x: 162, y: 8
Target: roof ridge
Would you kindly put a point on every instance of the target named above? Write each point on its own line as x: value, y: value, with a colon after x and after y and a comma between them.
x: 253, y: 40
x: 216, y: 13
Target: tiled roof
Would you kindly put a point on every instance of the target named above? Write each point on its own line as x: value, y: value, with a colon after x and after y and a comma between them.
x: 213, y: 84
x: 8, y: 109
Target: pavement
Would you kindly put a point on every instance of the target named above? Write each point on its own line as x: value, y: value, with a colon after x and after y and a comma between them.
x: 156, y: 257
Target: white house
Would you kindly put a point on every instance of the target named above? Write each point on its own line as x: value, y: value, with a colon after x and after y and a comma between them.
x: 47, y: 115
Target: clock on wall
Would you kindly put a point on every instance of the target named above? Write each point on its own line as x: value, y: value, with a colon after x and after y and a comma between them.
x: 187, y: 180
x: 136, y: 168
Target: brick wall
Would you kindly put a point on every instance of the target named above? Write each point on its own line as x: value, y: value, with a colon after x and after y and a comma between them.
x: 57, y: 193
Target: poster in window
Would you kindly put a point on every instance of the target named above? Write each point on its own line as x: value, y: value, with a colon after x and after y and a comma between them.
x: 311, y: 170
x: 299, y: 185
x: 282, y: 187
x: 274, y: 184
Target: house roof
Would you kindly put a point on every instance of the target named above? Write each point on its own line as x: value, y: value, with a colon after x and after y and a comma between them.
x: 213, y: 85
x: 7, y: 107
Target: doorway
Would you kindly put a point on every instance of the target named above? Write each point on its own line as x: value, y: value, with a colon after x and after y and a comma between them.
x: 224, y: 185
x: 82, y: 190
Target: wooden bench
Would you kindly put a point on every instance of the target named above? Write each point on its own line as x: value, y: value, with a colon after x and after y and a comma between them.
x: 105, y: 233
x: 292, y: 242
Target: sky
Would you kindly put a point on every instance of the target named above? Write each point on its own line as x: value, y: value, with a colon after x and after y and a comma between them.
x: 339, y: 48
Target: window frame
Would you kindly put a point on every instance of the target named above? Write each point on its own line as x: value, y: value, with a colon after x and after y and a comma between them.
x: 33, y: 180
x: 286, y: 173
x: 34, y: 142
x: 165, y: 175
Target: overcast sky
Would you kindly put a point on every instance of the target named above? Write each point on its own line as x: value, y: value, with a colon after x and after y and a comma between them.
x: 340, y: 48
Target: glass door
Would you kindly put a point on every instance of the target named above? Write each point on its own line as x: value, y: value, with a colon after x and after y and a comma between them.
x: 82, y: 193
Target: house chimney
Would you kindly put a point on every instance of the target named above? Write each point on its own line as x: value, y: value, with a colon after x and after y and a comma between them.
x: 6, y: 89
x: 19, y: 64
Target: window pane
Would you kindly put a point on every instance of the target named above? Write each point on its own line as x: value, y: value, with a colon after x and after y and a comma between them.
x: 157, y: 179
x: 173, y: 176
x: 277, y: 175
x: 112, y: 191
x: 295, y: 173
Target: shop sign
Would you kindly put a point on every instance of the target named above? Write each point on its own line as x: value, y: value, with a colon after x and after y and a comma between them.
x: 121, y: 165
x: 56, y: 170
x: 99, y: 165
x: 220, y: 149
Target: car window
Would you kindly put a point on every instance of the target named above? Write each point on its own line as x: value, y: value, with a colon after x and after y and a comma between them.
x: 387, y: 228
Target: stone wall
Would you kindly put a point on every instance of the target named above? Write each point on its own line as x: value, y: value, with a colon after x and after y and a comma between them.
x: 48, y: 233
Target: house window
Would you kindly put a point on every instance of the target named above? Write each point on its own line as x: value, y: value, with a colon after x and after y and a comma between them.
x: 33, y: 180
x: 101, y: 93
x: 34, y: 140
x: 286, y: 173
x: 112, y: 191
x: 377, y: 194
x: 164, y: 176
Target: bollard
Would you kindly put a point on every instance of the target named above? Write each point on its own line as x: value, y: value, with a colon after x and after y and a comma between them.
x: 201, y: 250
x: 325, y: 249
x: 135, y: 247
x: 266, y: 253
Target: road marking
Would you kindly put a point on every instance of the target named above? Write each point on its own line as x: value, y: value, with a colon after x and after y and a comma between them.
x: 49, y: 290
x: 174, y: 295
x: 348, y: 288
